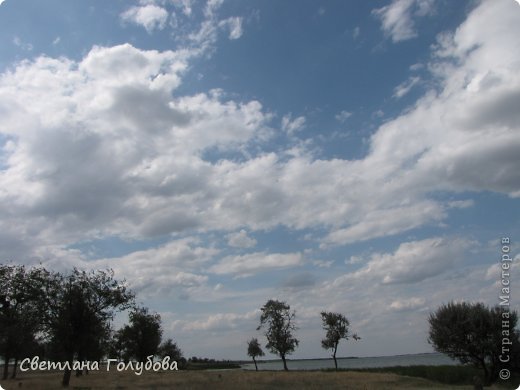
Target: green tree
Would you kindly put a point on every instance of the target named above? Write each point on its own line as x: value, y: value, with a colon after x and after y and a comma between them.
x: 171, y: 349
x: 141, y: 338
x: 474, y: 334
x: 254, y: 350
x: 336, y: 326
x: 21, y: 311
x: 80, y: 306
x: 278, y: 322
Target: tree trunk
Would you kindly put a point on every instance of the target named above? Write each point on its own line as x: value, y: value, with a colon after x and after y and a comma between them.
x: 6, y: 367
x: 487, y: 381
x: 284, y: 363
x: 13, y: 375
x: 66, y: 377
x: 255, y: 363
x: 334, y: 356
x: 66, y: 374
x: 79, y: 371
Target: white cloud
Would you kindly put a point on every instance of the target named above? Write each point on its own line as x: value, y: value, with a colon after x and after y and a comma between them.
x: 206, y: 36
x: 412, y: 262
x: 176, y: 267
x: 290, y: 125
x: 356, y: 32
x: 405, y: 87
x: 408, y: 304
x: 22, y: 45
x: 382, y: 222
x: 397, y: 18
x: 249, y: 264
x: 241, y: 240
x: 102, y: 147
x: 343, y: 116
x: 235, y: 26
x: 222, y: 321
x: 149, y: 16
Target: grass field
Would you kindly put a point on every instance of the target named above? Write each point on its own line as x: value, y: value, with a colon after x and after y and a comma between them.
x: 225, y: 379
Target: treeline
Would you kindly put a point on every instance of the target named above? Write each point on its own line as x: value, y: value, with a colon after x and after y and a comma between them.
x: 278, y: 322
x: 68, y: 317
x: 487, y: 338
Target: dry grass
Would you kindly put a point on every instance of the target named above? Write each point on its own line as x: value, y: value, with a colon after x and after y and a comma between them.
x: 231, y: 379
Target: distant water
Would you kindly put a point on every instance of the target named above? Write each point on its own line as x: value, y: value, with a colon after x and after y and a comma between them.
x: 421, y: 359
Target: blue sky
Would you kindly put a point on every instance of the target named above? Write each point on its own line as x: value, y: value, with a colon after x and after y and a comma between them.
x: 359, y: 157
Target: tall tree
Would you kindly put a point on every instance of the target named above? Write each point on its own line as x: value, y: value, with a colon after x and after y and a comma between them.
x: 278, y: 322
x: 254, y: 350
x: 474, y: 334
x: 169, y: 348
x: 79, y: 308
x: 141, y: 338
x: 20, y: 312
x: 336, y: 326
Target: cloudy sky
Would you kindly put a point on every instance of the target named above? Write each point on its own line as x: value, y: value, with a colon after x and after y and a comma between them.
x: 360, y: 157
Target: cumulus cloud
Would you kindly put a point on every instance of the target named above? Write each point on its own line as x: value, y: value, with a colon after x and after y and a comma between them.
x: 103, y: 146
x: 412, y: 262
x: 221, y: 321
x: 241, y: 240
x: 397, y: 18
x: 251, y: 263
x: 149, y: 16
x: 174, y: 268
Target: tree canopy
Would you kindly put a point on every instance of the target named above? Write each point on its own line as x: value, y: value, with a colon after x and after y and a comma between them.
x: 254, y: 350
x: 336, y: 326
x: 476, y: 334
x: 79, y: 307
x: 142, y: 336
x: 21, y: 310
x: 278, y: 321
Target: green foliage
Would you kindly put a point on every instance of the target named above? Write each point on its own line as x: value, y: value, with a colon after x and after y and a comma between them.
x: 254, y: 350
x: 141, y: 338
x: 473, y: 334
x: 336, y: 326
x: 79, y: 308
x: 21, y: 309
x: 169, y: 348
x: 278, y: 322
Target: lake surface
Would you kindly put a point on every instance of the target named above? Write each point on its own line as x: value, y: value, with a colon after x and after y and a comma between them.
x: 421, y: 359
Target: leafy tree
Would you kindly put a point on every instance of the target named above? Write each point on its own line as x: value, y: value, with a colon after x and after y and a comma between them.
x: 20, y: 312
x: 80, y: 306
x: 337, y: 327
x: 169, y: 348
x: 141, y: 338
x: 473, y: 334
x: 116, y: 345
x: 278, y: 322
x: 254, y: 350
